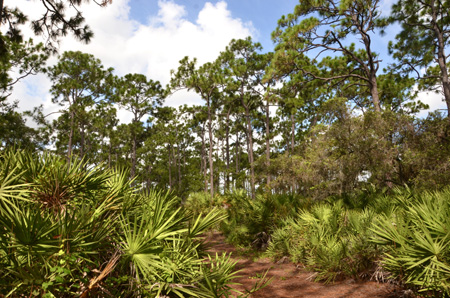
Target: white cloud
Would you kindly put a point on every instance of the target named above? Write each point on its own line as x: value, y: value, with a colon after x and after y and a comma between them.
x: 434, y: 100
x: 152, y: 49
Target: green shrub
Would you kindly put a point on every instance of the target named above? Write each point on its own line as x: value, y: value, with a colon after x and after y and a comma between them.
x: 329, y: 239
x: 201, y: 202
x: 286, y: 242
x: 69, y: 229
x: 252, y: 221
x: 417, y: 241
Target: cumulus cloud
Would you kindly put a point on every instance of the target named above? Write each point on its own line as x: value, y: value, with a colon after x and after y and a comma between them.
x: 434, y: 100
x: 152, y: 49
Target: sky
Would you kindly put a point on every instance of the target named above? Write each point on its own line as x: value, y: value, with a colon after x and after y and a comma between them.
x: 151, y: 36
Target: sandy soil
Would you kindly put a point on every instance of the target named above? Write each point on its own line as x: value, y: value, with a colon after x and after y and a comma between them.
x: 290, y: 281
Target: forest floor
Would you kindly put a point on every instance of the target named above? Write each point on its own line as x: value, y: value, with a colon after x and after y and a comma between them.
x: 290, y: 281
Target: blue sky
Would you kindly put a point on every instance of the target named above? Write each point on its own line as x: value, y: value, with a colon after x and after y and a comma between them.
x: 264, y: 14
x: 151, y: 36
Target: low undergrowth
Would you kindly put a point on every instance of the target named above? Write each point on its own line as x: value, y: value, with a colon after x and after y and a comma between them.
x: 68, y: 229
x: 407, y: 233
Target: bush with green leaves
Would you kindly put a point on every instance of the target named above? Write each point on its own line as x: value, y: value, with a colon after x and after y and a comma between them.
x: 408, y: 232
x: 329, y: 238
x: 251, y: 221
x: 417, y: 241
x: 71, y: 229
x: 201, y: 202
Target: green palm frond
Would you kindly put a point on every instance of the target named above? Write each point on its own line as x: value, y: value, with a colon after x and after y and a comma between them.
x: 11, y: 187
x: 58, y: 181
x: 140, y: 246
x: 118, y: 191
x: 204, y: 222
x: 417, y: 241
x: 79, y: 231
x: 218, y: 275
x: 28, y: 233
x: 60, y: 221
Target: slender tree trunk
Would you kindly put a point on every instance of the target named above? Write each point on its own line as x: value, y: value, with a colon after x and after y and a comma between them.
x: 442, y: 60
x: 223, y: 159
x: 268, y: 143
x: 82, y: 140
x: 211, y: 166
x: 2, y: 41
x: 287, y: 139
x: 374, y: 92
x: 204, y: 168
x: 250, y: 150
x: 179, y: 165
x: 184, y: 160
x: 202, y: 154
x: 170, y: 166
x: 371, y: 69
x: 292, y: 133
x: 227, y: 149
x: 109, y: 154
x: 293, y: 146
x: 133, y: 156
x: 69, y: 146
x: 237, y: 158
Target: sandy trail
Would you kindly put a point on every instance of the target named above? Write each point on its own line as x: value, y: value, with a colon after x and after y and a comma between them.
x: 289, y: 281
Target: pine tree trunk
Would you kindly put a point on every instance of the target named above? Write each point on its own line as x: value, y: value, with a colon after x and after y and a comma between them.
x: 250, y: 151
x: 237, y: 145
x: 133, y: 157
x: 227, y: 148
x: 211, y: 167
x: 82, y: 141
x: 374, y: 93
x: 371, y: 70
x: 268, y: 143
x: 69, y: 146
x: 170, y: 166
x: 442, y: 60
x: 179, y: 165
x: 109, y: 153
x: 1, y: 11
x: 203, y: 161
x: 292, y: 133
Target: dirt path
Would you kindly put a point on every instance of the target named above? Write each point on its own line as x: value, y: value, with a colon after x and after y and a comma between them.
x: 291, y: 282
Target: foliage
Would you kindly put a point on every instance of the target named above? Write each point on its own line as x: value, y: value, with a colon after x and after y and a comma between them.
x: 61, y: 220
x: 251, y: 222
x: 406, y: 231
x: 17, y: 61
x: 322, y: 27
x: 53, y: 24
x: 422, y: 43
x: 79, y: 82
x: 13, y: 128
x: 416, y: 239
x: 343, y: 136
x: 201, y: 202
x: 141, y: 97
x: 330, y: 239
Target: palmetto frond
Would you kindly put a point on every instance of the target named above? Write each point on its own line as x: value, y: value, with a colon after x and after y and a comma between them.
x: 418, y: 240
x: 60, y: 221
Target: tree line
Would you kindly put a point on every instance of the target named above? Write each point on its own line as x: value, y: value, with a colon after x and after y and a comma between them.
x: 319, y: 116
